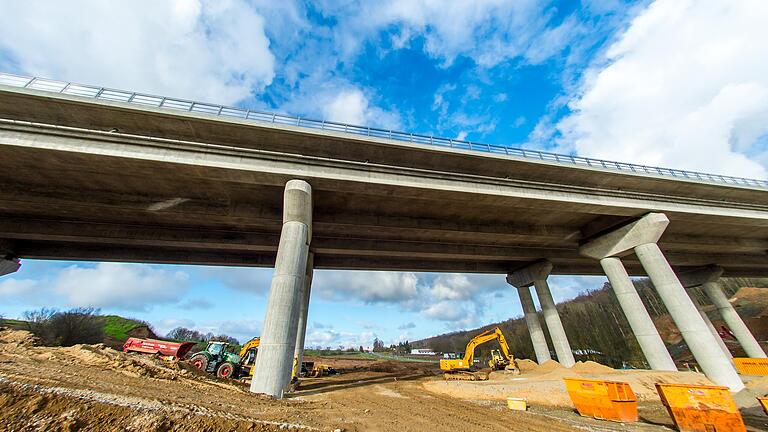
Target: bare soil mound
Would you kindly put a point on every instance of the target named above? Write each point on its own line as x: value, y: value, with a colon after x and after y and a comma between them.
x: 525, y: 365
x: 591, y: 367
x: 16, y: 340
x: 549, y: 366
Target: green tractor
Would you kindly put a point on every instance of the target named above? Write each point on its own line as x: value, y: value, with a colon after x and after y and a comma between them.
x: 217, y: 360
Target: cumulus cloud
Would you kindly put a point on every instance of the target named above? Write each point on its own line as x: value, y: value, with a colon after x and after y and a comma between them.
x: 685, y: 86
x: 18, y: 287
x: 368, y: 286
x: 489, y: 31
x: 121, y: 286
x: 352, y: 106
x: 213, y: 51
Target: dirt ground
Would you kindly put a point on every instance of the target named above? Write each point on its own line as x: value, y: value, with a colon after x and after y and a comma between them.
x: 92, y: 387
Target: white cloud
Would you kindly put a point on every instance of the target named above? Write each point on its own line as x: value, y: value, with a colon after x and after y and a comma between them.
x: 685, y: 86
x: 368, y: 286
x: 488, y: 31
x: 120, y: 286
x: 351, y: 105
x: 18, y: 287
x: 213, y: 51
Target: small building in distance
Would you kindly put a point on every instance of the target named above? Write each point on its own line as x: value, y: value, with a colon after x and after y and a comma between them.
x: 422, y: 351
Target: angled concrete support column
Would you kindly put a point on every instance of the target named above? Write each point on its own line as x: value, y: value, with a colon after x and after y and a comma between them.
x: 278, y: 338
x: 304, y: 311
x: 9, y: 265
x: 641, y: 236
x: 639, y: 320
x: 538, y: 339
x: 536, y: 275
x: 709, y: 324
x: 696, y: 278
x: 732, y: 319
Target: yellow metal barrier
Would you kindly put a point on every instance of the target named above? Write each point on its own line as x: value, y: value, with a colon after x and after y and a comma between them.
x: 751, y: 366
x: 606, y: 400
x: 764, y: 403
x: 696, y: 408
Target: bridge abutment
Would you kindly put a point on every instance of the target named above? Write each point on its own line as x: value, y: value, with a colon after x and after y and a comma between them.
x: 278, y: 341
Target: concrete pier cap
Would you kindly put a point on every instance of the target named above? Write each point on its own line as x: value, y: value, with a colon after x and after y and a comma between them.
x: 9, y: 265
x: 698, y: 277
x: 621, y: 241
x: 526, y: 276
x: 297, y: 203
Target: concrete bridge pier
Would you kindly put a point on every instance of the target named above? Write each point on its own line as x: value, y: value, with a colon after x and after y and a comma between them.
x: 278, y: 339
x: 538, y: 339
x: 536, y: 274
x: 641, y: 236
x: 733, y: 320
x: 707, y: 278
x: 692, y: 279
x: 639, y: 320
x: 304, y: 310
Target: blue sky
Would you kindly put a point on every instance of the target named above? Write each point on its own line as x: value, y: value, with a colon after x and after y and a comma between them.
x: 677, y: 83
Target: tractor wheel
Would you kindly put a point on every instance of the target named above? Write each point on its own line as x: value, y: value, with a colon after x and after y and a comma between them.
x: 199, y: 361
x: 225, y: 370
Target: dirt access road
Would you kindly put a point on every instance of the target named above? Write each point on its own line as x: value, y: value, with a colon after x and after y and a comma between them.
x: 96, y: 388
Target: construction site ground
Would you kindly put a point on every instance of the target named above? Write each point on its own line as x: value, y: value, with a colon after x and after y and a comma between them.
x: 91, y: 387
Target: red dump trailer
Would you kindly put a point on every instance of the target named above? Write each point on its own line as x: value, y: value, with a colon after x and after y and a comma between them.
x: 154, y: 346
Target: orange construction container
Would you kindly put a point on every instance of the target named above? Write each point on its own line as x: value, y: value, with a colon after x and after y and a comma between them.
x: 751, y: 366
x: 764, y: 403
x: 698, y: 408
x: 606, y: 400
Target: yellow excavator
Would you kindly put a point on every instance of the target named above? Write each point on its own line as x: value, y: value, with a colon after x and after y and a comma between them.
x: 464, y: 369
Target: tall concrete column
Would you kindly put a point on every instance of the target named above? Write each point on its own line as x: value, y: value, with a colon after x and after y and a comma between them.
x: 733, y: 320
x: 304, y: 311
x: 640, y: 321
x: 536, y: 275
x: 697, y: 336
x: 709, y: 324
x: 698, y: 277
x: 554, y: 325
x: 534, y: 326
x: 278, y: 338
x: 641, y: 237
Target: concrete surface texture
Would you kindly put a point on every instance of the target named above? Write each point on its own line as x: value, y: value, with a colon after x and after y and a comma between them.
x: 538, y: 339
x: 304, y: 310
x: 697, y: 336
x: 278, y: 339
x: 639, y: 320
x: 733, y: 320
x: 711, y: 327
x: 554, y: 325
x: 216, y: 187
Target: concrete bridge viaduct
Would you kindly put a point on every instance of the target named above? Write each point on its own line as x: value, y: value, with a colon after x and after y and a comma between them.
x: 89, y: 173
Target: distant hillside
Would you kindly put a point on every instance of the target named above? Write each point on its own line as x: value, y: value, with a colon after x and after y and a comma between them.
x: 116, y: 329
x: 596, y: 325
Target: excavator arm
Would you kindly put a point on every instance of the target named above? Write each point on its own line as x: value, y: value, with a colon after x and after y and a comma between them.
x: 253, y: 343
x: 469, y: 353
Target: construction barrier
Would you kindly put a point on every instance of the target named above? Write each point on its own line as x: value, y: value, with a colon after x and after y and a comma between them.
x: 605, y: 400
x: 764, y: 403
x: 517, y: 404
x: 697, y: 408
x: 751, y: 366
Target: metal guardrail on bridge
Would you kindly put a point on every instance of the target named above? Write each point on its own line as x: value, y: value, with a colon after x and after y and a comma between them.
x: 108, y: 94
